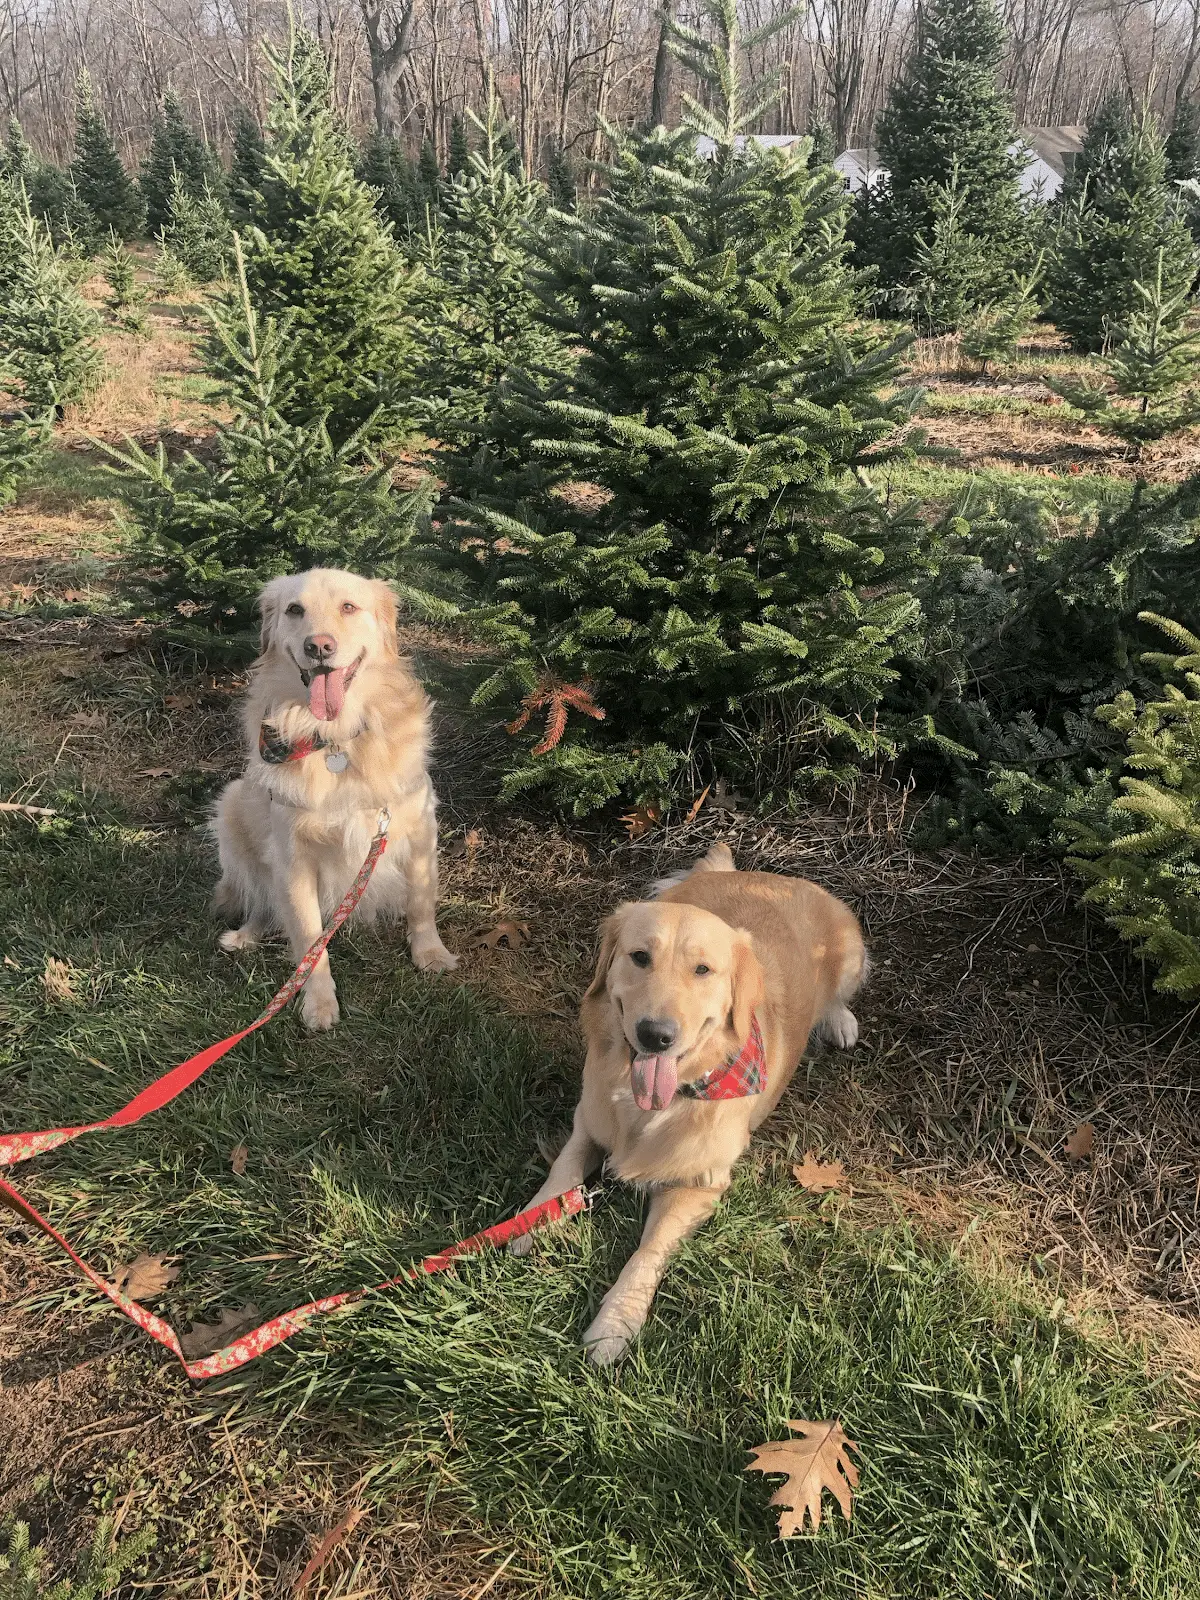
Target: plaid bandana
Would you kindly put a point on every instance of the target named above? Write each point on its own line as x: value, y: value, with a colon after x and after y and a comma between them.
x: 742, y: 1074
x: 275, y: 751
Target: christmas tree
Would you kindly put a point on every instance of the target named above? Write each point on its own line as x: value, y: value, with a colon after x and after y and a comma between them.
x: 101, y: 182
x: 949, y: 264
x: 1152, y: 366
x: 483, y: 315
x: 246, y: 166
x: 560, y: 180
x: 175, y: 149
x: 317, y: 250
x: 820, y: 131
x: 1181, y: 150
x: 197, y: 233
x: 459, y: 155
x: 126, y: 295
x: 992, y: 333
x: 383, y: 165
x: 47, y: 332
x: 947, y: 122
x: 1137, y: 841
x: 280, y: 495
x: 18, y: 162
x: 675, y: 534
x: 1118, y: 218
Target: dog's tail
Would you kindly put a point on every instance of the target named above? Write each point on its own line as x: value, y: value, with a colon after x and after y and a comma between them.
x: 718, y: 859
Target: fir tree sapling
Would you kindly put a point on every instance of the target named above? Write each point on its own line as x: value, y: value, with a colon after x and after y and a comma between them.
x: 317, y: 250
x: 1181, y: 150
x: 560, y: 180
x: 820, y: 131
x: 99, y: 1573
x: 126, y: 295
x: 484, y: 316
x: 676, y: 527
x: 459, y: 154
x: 383, y: 165
x: 947, y: 115
x: 993, y: 333
x: 1119, y: 218
x: 197, y: 234
x: 949, y: 264
x: 101, y: 183
x: 177, y: 154
x: 1151, y: 367
x: 1137, y: 842
x: 281, y: 494
x: 47, y: 331
x: 246, y: 166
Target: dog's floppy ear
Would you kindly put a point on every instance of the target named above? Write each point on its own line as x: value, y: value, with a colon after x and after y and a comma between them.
x: 610, y: 932
x: 387, y: 613
x: 270, y: 604
x: 748, y: 988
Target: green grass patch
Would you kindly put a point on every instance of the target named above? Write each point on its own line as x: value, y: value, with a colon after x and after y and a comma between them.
x: 943, y: 485
x: 981, y: 403
x: 1006, y: 1452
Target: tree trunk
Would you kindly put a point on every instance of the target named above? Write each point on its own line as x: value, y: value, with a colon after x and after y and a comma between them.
x: 389, y: 37
x: 663, y: 62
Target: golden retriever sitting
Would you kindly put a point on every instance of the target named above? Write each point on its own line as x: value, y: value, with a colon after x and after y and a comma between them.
x: 337, y: 729
x: 701, y: 1007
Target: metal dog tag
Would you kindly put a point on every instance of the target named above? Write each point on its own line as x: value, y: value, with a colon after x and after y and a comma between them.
x: 337, y: 761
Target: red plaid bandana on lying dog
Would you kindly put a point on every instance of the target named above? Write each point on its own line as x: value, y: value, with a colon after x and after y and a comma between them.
x: 742, y: 1074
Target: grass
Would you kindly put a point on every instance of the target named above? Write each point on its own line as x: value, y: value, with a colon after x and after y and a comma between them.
x: 1008, y: 1453
x: 968, y: 1318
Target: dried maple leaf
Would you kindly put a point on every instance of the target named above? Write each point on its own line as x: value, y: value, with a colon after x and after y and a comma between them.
x: 56, y: 979
x: 145, y: 1278
x: 466, y: 846
x: 206, y: 1337
x: 557, y: 698
x: 641, y: 821
x: 238, y: 1157
x: 1082, y: 1142
x: 815, y: 1461
x: 155, y: 772
x: 818, y: 1176
x: 504, y: 936
x: 694, y: 811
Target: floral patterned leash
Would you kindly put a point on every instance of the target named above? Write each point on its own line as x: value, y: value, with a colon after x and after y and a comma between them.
x: 17, y: 1147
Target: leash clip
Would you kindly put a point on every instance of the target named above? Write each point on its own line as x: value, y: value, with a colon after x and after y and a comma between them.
x: 385, y: 819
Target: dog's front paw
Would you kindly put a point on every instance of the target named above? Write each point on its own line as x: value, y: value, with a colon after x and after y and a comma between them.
x: 609, y: 1336
x: 320, y: 1011
x: 431, y: 955
x: 243, y: 938
x: 521, y: 1246
x: 840, y: 1027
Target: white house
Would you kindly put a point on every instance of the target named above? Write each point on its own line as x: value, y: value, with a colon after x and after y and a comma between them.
x: 1049, y: 153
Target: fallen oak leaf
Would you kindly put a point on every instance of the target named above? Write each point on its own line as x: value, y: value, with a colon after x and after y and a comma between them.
x: 812, y: 1463
x: 504, y: 936
x: 641, y: 821
x: 1082, y: 1143
x: 239, y: 1156
x: 819, y: 1176
x: 208, y: 1337
x: 145, y: 1278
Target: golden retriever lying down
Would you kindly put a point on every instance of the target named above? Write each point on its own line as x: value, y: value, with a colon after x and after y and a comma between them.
x: 710, y: 991
x: 337, y: 728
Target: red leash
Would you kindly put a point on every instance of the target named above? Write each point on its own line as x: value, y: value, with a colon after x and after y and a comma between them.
x: 17, y: 1147
x: 269, y: 1334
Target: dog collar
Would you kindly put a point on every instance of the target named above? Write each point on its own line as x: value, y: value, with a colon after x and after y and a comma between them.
x: 742, y: 1074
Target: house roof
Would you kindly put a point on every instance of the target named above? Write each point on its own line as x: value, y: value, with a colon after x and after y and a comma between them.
x: 1057, y: 146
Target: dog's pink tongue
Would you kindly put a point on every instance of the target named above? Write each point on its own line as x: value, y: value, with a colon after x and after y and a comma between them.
x: 327, y: 693
x: 655, y: 1079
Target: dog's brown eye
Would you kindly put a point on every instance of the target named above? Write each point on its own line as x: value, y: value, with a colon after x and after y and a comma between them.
x: 640, y: 958
x: 702, y: 971
x: 295, y: 609
x: 348, y: 608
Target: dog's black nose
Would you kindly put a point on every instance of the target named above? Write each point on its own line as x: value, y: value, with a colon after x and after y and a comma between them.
x: 320, y: 646
x: 657, y: 1034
